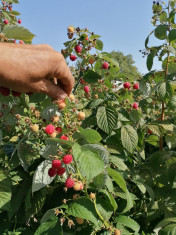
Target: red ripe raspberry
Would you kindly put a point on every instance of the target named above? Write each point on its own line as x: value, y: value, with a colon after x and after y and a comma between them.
x: 59, y: 129
x: 61, y: 171
x: 136, y: 86
x: 3, y: 3
x: 50, y: 129
x: 87, y: 38
x: 52, y: 172
x: 19, y: 21
x: 135, y: 105
x: 78, y: 48
x: 105, y: 65
x: 29, y: 93
x: 150, y: 132
x: 56, y: 163
x: 16, y: 94
x: 126, y: 85
x: 73, y: 57
x: 21, y: 42
x: 67, y: 159
x: 10, y: 8
x: 14, y: 41
x: 86, y: 89
x: 4, y: 91
x: 69, y: 183
x: 63, y: 137
x: 6, y: 21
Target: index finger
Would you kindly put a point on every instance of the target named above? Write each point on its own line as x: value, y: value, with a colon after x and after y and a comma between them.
x: 64, y: 75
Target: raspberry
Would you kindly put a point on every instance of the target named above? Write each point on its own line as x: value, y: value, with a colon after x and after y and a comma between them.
x: 105, y: 65
x: 79, y: 220
x: 73, y: 57
x: 86, y: 89
x: 136, y: 86
x: 96, y: 96
x: 50, y: 129
x: 59, y: 129
x: 34, y: 128
x: 63, y: 137
x: 78, y: 48
x: 16, y: 94
x: 56, y: 163
x: 55, y: 119
x: 14, y: 41
x: 92, y: 195
x: 67, y: 159
x: 117, y: 232
x: 78, y: 186
x: 70, y: 29
x: 91, y: 60
x: 60, y: 171
x: 81, y: 115
x: 61, y: 104
x: 150, y: 132
x: 6, y: 21
x: 87, y: 38
x: 69, y: 183
x: 135, y: 105
x: 21, y: 42
x: 52, y: 172
x: 53, y: 135
x: 72, y: 97
x: 19, y: 21
x: 10, y: 8
x: 126, y: 85
x: 4, y: 91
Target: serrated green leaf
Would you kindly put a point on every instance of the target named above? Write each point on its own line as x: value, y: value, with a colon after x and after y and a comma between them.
x: 172, y: 35
x: 158, y: 158
x: 128, y: 222
x: 95, y: 103
x: 16, y: 13
x: 153, y: 140
x: 94, y: 36
x: 0, y: 137
x: 99, y: 45
x: 5, y: 191
x: 118, y: 162
x: 52, y: 227
x: 155, y: 129
x: 83, y: 208
x: 129, y: 138
x: 18, y: 32
x: 150, y: 58
x: 163, y: 17
x: 165, y: 90
x: 106, y: 119
x: 172, y: 103
x: 91, y: 77
x: 92, y: 136
x: 161, y: 32
x: 117, y: 178
x: 172, y: 64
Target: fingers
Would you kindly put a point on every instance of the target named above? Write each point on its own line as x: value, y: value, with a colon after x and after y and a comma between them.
x: 44, y: 47
x: 49, y: 88
x: 63, y: 74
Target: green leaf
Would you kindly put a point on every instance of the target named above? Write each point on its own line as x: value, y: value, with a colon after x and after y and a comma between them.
x: 164, y: 223
x: 41, y: 177
x: 165, y: 90
x: 155, y: 129
x: 5, y: 191
x: 128, y: 222
x: 118, y: 162
x: 49, y: 112
x: 170, y: 140
x: 52, y: 227
x: 91, y: 77
x: 111, y: 198
x: 90, y: 163
x: 37, y: 97
x: 99, y: 181
x: 171, y: 66
x: 16, y: 13
x: 104, y: 207
x: 49, y: 150
x: 106, y: 118
x: 83, y: 208
x: 95, y: 103
x: 99, y: 45
x: 129, y: 138
x: 161, y: 32
x: 0, y: 137
x: 168, y: 230
x: 172, y: 103
x: 117, y: 178
x: 94, y: 36
x: 150, y: 58
x: 100, y: 150
x: 163, y: 17
x: 153, y: 140
x: 172, y: 35
x: 18, y: 32
x: 135, y: 115
x: 92, y: 136
x: 158, y: 158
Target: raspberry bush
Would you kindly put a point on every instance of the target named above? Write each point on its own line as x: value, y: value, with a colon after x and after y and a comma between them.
x: 103, y: 160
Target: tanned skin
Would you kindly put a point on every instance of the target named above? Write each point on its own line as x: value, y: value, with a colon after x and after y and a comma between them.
x: 32, y: 68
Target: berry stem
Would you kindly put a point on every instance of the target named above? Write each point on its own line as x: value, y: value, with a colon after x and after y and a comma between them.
x: 77, y: 84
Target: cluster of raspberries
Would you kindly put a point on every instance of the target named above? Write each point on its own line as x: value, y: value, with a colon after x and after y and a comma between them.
x: 57, y: 168
x: 50, y: 129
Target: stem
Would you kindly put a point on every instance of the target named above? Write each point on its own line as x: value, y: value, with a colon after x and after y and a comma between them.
x: 166, y: 73
x: 77, y: 84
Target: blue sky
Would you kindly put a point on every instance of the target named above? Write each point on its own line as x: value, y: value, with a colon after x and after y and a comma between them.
x: 123, y: 24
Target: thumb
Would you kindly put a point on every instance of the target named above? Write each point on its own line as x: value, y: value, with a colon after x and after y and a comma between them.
x: 52, y: 90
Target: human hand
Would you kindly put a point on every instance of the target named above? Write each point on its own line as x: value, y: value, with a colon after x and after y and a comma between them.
x: 29, y: 68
